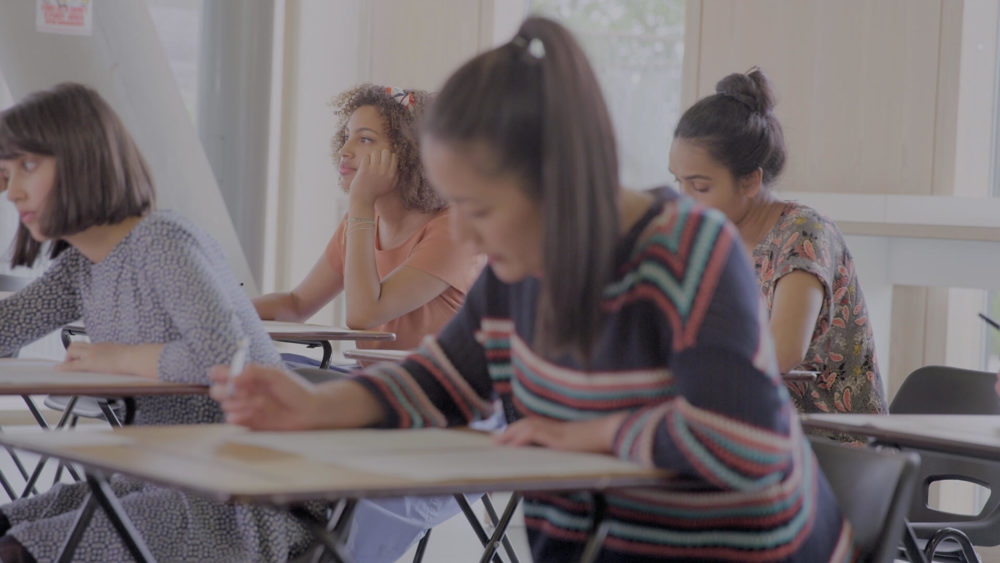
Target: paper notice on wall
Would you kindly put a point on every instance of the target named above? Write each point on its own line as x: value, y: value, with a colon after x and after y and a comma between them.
x: 69, y: 17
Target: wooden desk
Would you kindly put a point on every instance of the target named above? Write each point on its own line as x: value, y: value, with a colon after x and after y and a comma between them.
x: 972, y: 436
x: 40, y: 377
x: 969, y: 435
x: 319, y: 335
x: 231, y: 464
x: 297, y: 333
x: 373, y: 356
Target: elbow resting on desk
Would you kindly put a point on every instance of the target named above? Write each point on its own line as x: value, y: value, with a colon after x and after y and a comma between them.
x: 362, y: 321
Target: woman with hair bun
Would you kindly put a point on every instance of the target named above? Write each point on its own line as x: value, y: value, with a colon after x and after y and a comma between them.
x: 728, y: 149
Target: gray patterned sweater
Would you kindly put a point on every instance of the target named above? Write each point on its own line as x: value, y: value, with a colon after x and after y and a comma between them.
x: 165, y: 282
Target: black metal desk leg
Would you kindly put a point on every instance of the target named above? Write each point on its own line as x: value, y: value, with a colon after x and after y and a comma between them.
x: 512, y: 503
x: 329, y: 535
x: 477, y: 527
x: 598, y: 530
x: 501, y: 528
x: 418, y: 556
x: 29, y: 487
x: 119, y: 519
x: 327, y: 354
x: 79, y: 525
x: 109, y: 413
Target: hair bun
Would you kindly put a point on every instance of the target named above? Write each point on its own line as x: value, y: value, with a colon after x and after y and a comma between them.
x: 750, y: 88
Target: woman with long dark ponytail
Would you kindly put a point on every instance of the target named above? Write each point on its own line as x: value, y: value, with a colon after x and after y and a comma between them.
x: 608, y: 320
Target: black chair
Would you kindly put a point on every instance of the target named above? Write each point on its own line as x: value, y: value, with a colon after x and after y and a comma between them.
x: 949, y: 390
x: 873, y: 489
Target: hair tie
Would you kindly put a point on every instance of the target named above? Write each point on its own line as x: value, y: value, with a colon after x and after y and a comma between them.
x: 744, y: 99
x: 532, y: 46
x: 404, y: 97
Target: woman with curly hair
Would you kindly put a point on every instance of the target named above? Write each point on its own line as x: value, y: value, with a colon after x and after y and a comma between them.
x: 392, y: 255
x: 393, y: 258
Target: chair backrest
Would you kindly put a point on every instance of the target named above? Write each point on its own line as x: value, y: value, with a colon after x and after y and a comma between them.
x: 949, y: 390
x: 946, y: 390
x: 873, y: 489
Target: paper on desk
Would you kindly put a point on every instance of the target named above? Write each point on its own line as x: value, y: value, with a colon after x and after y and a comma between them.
x: 334, y: 444
x: 496, y: 462
x: 433, y: 455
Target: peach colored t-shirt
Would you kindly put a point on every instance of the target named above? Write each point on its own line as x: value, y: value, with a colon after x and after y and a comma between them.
x: 429, y: 250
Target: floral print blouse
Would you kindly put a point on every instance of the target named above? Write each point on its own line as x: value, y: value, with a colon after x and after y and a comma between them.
x: 842, y: 348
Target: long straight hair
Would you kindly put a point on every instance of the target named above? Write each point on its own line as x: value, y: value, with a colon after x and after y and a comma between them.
x: 535, y: 106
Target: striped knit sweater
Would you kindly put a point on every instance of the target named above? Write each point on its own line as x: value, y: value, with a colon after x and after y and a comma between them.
x: 687, y: 353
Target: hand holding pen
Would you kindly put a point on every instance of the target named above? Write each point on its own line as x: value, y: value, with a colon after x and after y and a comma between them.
x: 239, y: 360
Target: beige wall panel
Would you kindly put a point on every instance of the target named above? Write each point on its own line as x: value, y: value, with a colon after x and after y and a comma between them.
x: 856, y: 84
x: 946, y: 144
x: 418, y: 44
x: 919, y: 331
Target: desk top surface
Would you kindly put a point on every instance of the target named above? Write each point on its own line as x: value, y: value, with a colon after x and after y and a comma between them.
x: 971, y: 435
x: 36, y: 377
x: 377, y: 355
x: 281, y: 330
x: 230, y: 463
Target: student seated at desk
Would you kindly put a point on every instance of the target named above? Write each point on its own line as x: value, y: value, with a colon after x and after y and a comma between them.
x: 158, y: 302
x: 608, y: 321
x: 728, y: 149
x: 391, y: 255
x: 396, y: 264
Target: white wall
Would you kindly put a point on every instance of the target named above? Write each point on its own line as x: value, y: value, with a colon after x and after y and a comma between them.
x: 124, y: 61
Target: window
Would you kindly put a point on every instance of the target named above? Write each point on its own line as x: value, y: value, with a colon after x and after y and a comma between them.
x: 637, y: 50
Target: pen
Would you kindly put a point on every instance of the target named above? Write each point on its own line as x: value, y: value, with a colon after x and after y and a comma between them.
x: 990, y: 321
x: 239, y: 360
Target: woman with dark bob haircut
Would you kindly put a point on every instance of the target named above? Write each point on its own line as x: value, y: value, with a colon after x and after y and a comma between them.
x: 157, y: 301
x: 391, y: 256
x: 609, y: 320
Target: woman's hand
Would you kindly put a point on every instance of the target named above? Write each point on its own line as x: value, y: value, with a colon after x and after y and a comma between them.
x: 376, y: 176
x: 108, y: 357
x: 596, y: 435
x: 265, y: 398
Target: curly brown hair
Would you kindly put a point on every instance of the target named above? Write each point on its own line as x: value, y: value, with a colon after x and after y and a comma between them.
x: 401, y: 127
